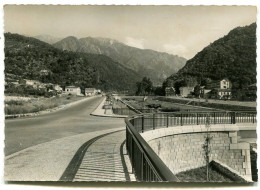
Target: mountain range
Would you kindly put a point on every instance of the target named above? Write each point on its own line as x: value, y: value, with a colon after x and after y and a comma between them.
x: 30, y: 58
x: 155, y: 65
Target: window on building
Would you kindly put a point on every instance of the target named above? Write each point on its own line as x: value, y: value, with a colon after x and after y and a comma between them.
x: 224, y: 86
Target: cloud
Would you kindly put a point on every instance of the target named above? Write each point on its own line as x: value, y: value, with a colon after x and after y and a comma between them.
x: 138, y: 43
x: 178, y: 49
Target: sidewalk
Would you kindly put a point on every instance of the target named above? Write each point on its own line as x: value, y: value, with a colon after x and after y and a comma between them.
x: 106, y: 160
x: 99, y: 111
x: 46, y: 161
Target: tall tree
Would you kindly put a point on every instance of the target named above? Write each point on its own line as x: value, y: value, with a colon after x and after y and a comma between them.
x: 145, y: 87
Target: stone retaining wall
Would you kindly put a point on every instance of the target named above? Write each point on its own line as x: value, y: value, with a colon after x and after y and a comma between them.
x: 181, y: 148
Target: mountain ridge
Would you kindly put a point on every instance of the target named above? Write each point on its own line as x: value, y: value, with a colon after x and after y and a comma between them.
x: 150, y: 63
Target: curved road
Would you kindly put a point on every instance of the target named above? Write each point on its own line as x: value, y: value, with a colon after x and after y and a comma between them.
x: 24, y: 132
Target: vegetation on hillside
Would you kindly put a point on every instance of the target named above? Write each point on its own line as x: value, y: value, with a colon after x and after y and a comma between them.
x: 232, y: 57
x: 29, y: 58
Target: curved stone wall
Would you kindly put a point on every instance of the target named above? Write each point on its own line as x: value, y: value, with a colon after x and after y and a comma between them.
x: 181, y: 148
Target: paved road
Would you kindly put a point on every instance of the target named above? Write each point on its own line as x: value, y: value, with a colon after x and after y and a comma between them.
x: 22, y: 133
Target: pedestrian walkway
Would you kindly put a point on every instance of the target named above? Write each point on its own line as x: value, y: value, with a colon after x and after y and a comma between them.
x: 106, y: 160
x: 48, y: 161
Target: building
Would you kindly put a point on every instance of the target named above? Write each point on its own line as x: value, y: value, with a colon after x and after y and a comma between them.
x: 90, y: 91
x: 170, y: 91
x: 73, y: 90
x: 221, y: 89
x: 220, y: 84
x: 186, y: 90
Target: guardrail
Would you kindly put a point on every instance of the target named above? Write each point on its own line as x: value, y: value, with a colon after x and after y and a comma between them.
x: 145, y: 162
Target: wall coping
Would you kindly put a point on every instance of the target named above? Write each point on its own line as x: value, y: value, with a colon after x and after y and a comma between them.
x: 162, y: 132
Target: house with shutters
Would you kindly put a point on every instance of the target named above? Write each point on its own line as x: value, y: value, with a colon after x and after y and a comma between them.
x: 221, y: 89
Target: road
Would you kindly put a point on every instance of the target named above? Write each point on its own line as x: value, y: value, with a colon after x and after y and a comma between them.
x: 25, y: 132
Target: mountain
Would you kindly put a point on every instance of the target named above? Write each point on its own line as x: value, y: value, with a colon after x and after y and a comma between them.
x: 47, y: 38
x: 155, y: 65
x: 232, y: 56
x: 29, y: 58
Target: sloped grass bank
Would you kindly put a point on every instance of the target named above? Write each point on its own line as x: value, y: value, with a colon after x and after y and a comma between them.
x: 33, y: 105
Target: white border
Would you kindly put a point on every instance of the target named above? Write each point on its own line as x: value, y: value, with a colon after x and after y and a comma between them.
x: 108, y: 2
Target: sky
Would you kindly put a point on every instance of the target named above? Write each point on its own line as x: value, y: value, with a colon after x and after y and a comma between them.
x: 178, y: 30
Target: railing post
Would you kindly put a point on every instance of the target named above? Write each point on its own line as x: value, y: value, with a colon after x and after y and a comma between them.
x: 197, y: 118
x: 153, y: 121
x: 233, y: 117
x: 181, y: 120
x: 142, y: 124
x: 142, y: 166
x: 126, y: 141
x: 214, y: 115
x: 167, y: 120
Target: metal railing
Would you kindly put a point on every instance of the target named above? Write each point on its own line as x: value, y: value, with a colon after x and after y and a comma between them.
x: 146, y: 164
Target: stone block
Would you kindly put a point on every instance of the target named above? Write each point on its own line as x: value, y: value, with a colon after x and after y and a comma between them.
x: 233, y: 134
x: 234, y: 140
x: 248, y: 171
x: 233, y: 146
x: 245, y: 146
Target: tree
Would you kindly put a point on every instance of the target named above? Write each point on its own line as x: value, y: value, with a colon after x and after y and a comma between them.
x: 206, y: 145
x: 197, y: 91
x: 145, y: 87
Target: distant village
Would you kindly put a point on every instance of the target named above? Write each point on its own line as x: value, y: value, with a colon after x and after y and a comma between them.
x: 55, y: 89
x: 221, y: 89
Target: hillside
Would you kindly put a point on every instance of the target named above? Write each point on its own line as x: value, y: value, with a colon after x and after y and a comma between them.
x: 232, y: 57
x: 29, y: 58
x: 155, y: 65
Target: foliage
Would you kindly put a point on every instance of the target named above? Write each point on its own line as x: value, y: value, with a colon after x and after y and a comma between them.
x: 199, y: 175
x: 197, y: 91
x: 145, y: 87
x: 232, y: 57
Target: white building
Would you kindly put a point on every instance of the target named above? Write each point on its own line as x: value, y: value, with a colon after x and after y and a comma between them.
x: 72, y: 90
x: 221, y: 89
x: 90, y: 91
